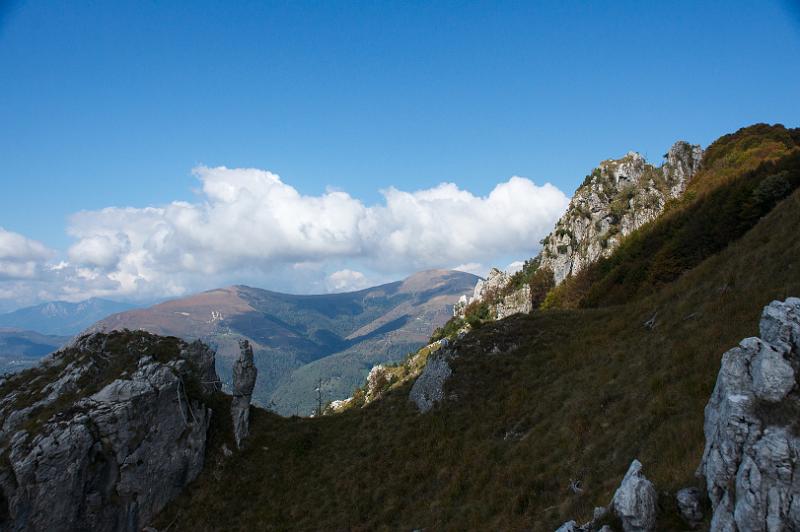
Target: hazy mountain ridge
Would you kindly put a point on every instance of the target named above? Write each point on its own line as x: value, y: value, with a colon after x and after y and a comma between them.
x: 61, y: 317
x: 294, y: 335
x: 21, y: 349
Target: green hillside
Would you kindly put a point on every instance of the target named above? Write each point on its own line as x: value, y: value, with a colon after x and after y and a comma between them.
x: 586, y: 391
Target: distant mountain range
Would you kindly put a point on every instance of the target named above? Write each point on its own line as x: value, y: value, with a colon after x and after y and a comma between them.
x: 22, y: 349
x: 300, y: 340
x: 61, y: 317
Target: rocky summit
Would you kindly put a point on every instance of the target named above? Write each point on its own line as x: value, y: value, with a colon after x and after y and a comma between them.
x: 618, y: 197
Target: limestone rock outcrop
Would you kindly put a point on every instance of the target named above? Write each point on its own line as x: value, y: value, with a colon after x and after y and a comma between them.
x: 494, y: 291
x: 517, y: 302
x: 617, y: 198
x: 635, y: 501
x: 428, y: 389
x: 377, y: 379
x: 751, y: 461
x: 244, y: 380
x: 104, y: 433
x: 485, y: 289
x: 634, y: 506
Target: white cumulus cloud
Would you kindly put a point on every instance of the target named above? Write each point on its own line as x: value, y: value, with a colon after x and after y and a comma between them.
x: 346, y: 281
x: 249, y: 225
x: 21, y: 257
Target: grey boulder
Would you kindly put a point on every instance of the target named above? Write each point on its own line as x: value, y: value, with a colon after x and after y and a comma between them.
x: 635, y: 501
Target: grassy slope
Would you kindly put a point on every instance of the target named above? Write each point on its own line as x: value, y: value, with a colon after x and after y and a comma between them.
x: 589, y: 390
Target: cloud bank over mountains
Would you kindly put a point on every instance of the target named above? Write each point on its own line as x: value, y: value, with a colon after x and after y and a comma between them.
x: 20, y: 257
x: 248, y: 224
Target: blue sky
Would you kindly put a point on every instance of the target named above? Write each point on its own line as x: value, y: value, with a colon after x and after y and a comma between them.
x: 115, y: 103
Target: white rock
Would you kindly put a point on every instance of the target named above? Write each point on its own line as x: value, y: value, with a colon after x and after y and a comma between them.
x: 428, y: 389
x: 620, y: 196
x: 635, y: 501
x: 751, y: 460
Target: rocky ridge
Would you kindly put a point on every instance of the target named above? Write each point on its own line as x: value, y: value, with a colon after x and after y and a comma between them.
x: 618, y: 197
x: 493, y: 290
x: 104, y: 433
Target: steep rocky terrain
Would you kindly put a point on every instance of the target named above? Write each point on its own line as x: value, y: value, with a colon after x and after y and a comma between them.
x: 618, y: 197
x: 104, y: 433
x: 615, y: 199
x: 299, y: 341
x: 707, y: 200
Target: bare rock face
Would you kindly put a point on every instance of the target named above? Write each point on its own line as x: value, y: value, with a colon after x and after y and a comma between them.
x: 751, y: 461
x: 617, y: 198
x: 428, y: 389
x: 495, y: 281
x: 517, y: 302
x: 485, y: 289
x: 377, y: 379
x: 244, y: 380
x: 104, y: 433
x: 635, y: 501
x: 634, y: 504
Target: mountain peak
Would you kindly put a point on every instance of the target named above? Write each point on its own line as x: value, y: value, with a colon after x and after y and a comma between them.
x: 619, y: 196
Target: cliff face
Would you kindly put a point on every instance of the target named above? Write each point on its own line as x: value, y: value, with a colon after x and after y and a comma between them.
x: 752, y: 447
x: 105, y: 433
x: 617, y: 198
